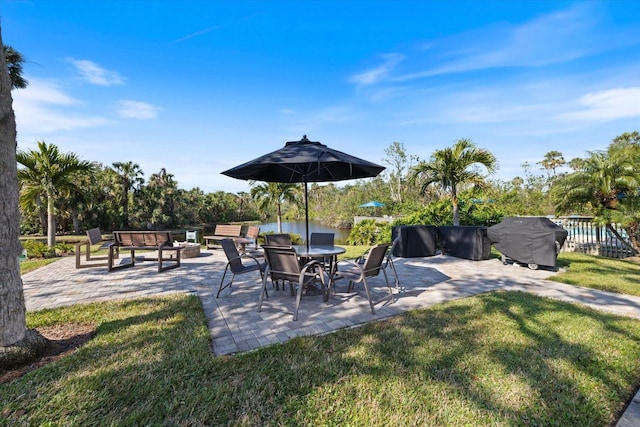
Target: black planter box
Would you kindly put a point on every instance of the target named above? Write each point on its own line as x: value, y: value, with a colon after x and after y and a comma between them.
x: 415, y: 240
x: 465, y: 241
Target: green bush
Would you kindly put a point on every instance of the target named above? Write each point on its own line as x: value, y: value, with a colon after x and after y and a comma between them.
x: 296, y: 239
x: 369, y: 232
x: 37, y: 249
x: 63, y: 248
x: 440, y: 212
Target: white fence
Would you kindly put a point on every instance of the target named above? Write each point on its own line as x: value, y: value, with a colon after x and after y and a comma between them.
x: 587, y: 237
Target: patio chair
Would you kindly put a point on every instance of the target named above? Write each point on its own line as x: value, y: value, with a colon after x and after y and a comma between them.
x: 283, y: 239
x: 391, y: 266
x: 322, y: 239
x: 367, y: 266
x: 282, y: 264
x: 235, y: 264
x: 253, y: 232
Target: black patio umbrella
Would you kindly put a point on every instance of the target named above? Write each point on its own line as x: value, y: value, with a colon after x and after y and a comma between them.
x: 305, y: 161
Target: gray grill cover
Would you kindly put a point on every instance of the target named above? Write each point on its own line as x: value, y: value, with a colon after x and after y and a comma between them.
x: 529, y: 240
x: 465, y: 241
x: 415, y: 240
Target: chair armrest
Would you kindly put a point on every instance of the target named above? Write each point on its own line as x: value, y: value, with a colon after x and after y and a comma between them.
x: 245, y: 255
x: 317, y: 272
x: 353, y: 264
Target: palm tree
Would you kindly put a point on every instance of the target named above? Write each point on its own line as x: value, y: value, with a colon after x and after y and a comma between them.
x: 14, y: 66
x: 129, y: 178
x: 48, y: 172
x: 454, y: 166
x: 607, y: 183
x: 274, y: 193
x: 13, y: 326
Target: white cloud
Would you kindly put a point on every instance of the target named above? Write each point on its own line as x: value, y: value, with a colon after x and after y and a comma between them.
x: 196, y: 34
x: 552, y: 38
x: 137, y: 110
x: 608, y: 105
x: 43, y: 108
x: 95, y: 74
x: 378, y: 73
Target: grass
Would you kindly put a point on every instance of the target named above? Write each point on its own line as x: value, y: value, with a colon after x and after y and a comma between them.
x: 31, y: 264
x: 496, y: 359
x: 607, y: 274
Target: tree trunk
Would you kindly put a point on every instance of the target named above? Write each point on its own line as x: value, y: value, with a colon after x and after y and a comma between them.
x: 454, y: 204
x: 13, y: 325
x: 51, y: 222
x: 42, y: 214
x: 279, y: 218
x: 75, y: 220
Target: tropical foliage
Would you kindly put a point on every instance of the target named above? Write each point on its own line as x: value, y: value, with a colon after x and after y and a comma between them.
x: 14, y: 65
x: 270, y: 195
x: 453, y: 167
x: 607, y: 184
x: 50, y: 175
x: 120, y: 196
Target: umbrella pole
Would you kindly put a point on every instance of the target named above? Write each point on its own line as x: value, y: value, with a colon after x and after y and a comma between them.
x: 306, y: 212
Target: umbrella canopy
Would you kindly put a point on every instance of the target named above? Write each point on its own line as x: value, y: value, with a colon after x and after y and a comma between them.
x: 305, y: 161
x: 371, y: 204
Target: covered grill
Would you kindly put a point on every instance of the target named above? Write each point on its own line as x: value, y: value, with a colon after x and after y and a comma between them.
x: 534, y: 241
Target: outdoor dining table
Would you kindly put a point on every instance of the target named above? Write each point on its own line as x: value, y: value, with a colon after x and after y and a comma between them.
x: 322, y: 251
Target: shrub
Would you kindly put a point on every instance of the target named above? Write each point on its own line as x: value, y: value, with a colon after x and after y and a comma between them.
x: 296, y: 239
x: 63, y: 248
x: 369, y: 232
x: 37, y: 249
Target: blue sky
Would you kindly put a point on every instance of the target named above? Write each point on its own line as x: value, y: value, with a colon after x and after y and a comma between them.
x: 198, y: 87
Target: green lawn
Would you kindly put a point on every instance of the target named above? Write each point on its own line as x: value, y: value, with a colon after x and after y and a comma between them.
x: 496, y: 359
x: 607, y: 274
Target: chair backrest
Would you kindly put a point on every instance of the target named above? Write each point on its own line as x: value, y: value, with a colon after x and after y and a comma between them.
x: 283, y: 262
x: 324, y: 239
x: 94, y: 236
x: 253, y: 232
x: 277, y: 239
x: 374, y: 259
x: 231, y: 252
x: 191, y: 235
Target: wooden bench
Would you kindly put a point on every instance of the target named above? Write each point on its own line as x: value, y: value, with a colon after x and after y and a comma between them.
x: 227, y: 231
x: 160, y: 241
x: 94, y: 237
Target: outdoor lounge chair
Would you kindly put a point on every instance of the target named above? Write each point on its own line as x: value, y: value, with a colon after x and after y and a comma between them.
x: 282, y: 264
x: 235, y: 264
x: 367, y: 266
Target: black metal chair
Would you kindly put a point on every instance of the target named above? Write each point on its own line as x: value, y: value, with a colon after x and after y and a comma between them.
x: 367, y: 266
x: 235, y: 264
x: 282, y: 264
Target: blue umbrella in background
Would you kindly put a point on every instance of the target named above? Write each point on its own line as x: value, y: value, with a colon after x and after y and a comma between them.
x: 372, y: 204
